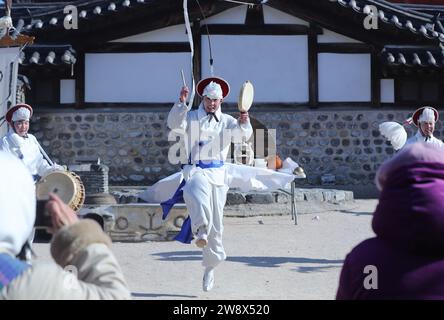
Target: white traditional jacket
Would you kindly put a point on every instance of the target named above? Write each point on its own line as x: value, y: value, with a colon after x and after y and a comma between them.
x: 26, y: 149
x: 418, y: 137
x: 206, y: 139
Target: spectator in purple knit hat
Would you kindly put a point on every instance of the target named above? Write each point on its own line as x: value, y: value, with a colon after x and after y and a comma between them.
x: 406, y: 258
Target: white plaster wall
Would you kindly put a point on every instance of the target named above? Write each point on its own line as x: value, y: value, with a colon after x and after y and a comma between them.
x: 276, y: 65
x: 175, y: 33
x: 67, y: 91
x: 231, y: 16
x: 333, y: 37
x: 344, y: 77
x: 274, y: 16
x: 388, y: 90
x: 135, y: 77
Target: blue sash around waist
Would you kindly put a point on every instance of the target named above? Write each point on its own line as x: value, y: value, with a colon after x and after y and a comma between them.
x: 185, y: 235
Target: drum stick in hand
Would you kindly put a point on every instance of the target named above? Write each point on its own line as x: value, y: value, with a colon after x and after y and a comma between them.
x: 183, y: 78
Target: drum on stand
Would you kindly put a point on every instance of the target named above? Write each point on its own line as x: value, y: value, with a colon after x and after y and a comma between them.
x: 67, y: 185
x: 243, y: 154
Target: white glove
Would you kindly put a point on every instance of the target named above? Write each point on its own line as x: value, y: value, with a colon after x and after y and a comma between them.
x: 188, y: 171
x: 5, y: 22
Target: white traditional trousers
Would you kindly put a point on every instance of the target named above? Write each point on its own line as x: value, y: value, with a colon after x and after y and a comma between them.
x: 205, y: 203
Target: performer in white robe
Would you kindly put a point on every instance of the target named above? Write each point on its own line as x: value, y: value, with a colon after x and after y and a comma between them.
x: 24, y: 145
x: 208, y: 133
x: 425, y: 118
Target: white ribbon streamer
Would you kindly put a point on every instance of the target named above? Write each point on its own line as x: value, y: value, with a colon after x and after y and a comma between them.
x: 190, y: 40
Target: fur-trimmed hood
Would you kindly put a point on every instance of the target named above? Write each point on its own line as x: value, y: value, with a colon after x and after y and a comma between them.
x: 410, y: 213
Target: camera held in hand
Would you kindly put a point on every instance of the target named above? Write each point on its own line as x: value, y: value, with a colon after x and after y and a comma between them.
x: 43, y: 217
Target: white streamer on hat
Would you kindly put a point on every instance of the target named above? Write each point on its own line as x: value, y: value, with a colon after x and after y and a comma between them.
x: 213, y: 91
x: 22, y: 113
x: 427, y: 115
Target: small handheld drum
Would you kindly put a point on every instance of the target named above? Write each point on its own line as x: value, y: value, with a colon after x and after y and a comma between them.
x: 67, y: 185
x: 246, y: 96
x: 243, y: 152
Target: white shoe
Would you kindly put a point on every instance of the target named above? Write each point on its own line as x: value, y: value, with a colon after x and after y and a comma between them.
x: 208, y: 279
x: 28, y: 256
x: 202, y: 239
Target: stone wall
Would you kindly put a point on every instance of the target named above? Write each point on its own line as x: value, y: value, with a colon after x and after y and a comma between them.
x: 133, y: 145
x: 335, y: 147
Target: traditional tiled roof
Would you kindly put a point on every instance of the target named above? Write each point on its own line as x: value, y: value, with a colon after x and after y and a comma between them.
x: 39, y: 16
x: 413, y: 57
x: 409, y: 35
x: 424, y: 8
x: 105, y: 20
x: 398, y: 16
x: 48, y: 56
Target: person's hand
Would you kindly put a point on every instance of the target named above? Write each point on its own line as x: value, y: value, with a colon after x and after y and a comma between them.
x: 61, y: 214
x: 184, y: 94
x: 243, y: 118
x: 57, y: 167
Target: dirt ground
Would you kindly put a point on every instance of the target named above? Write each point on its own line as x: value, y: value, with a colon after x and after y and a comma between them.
x: 268, y: 258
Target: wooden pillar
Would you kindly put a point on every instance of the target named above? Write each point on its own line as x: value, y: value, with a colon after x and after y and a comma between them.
x: 375, y: 81
x: 313, y: 68
x: 255, y: 15
x: 79, y: 75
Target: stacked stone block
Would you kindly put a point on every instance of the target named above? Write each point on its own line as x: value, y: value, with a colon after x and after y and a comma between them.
x: 94, y: 177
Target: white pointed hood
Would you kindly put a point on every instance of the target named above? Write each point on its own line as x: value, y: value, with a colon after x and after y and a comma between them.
x: 427, y: 115
x: 17, y: 203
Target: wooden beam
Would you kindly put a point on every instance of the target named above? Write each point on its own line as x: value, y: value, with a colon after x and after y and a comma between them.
x: 127, y: 105
x: 138, y: 47
x: 344, y: 48
x: 344, y: 104
x: 228, y: 107
x: 272, y: 29
x: 55, y: 71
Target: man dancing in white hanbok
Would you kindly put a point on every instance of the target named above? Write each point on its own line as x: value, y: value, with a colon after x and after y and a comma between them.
x: 208, y: 133
x: 425, y: 119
